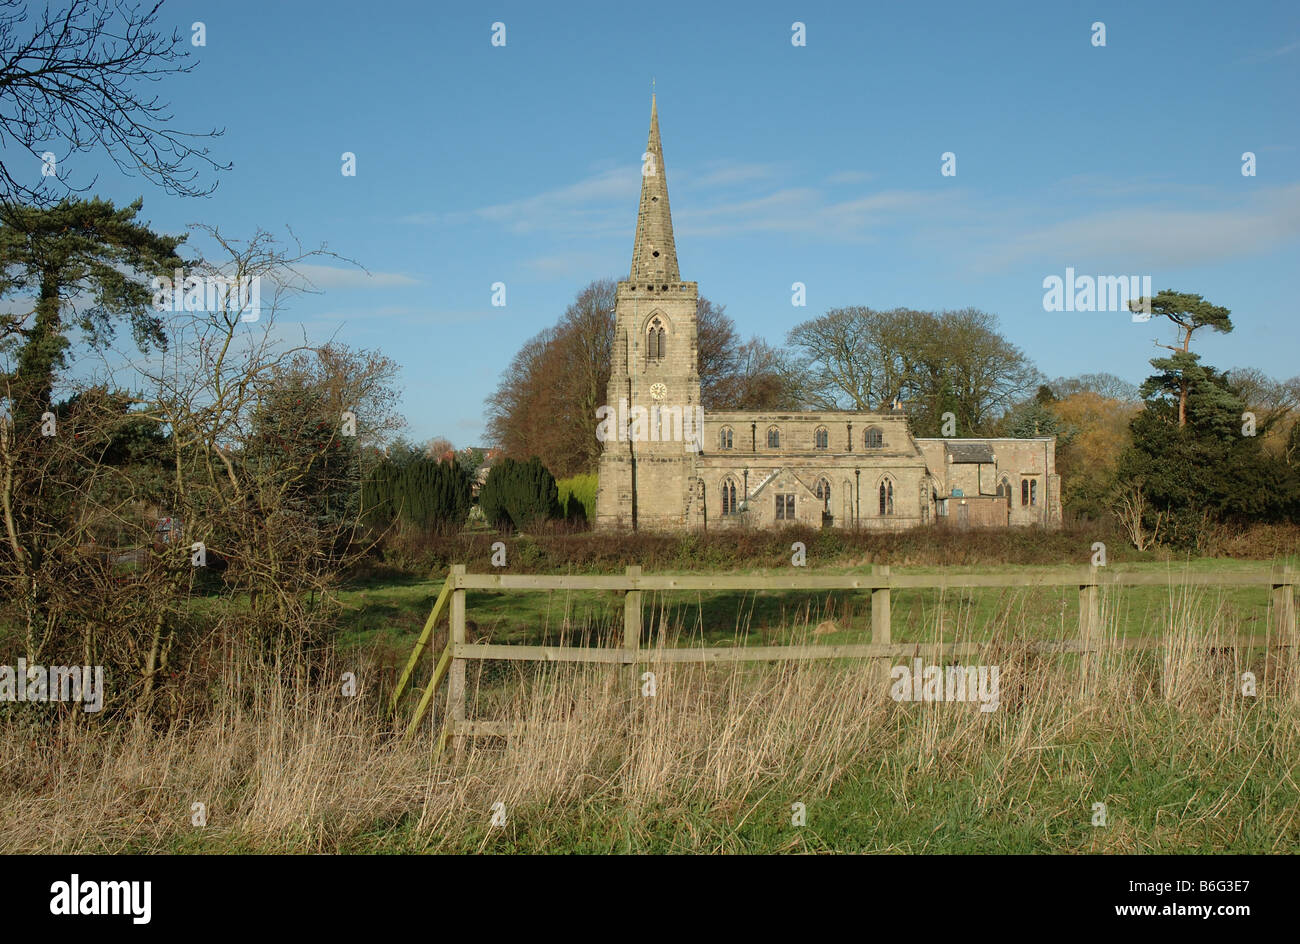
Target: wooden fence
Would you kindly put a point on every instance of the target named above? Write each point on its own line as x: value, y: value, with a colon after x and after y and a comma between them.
x: 879, y: 582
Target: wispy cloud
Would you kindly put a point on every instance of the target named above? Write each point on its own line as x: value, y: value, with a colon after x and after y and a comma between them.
x: 728, y: 174
x: 1273, y: 53
x: 1102, y: 219
x: 805, y: 210
x: 578, y: 262
x: 576, y: 208
x: 850, y: 177
x: 727, y: 197
x: 1155, y: 236
x: 406, y: 315
x: 326, y: 277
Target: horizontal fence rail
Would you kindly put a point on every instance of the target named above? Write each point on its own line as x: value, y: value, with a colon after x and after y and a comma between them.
x: 1089, y: 581
x: 1065, y: 577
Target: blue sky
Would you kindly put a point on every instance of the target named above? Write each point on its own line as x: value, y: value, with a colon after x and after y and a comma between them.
x: 520, y: 164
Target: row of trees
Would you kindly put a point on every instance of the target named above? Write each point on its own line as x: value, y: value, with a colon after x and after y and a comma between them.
x: 1192, y: 449
x: 412, y: 490
x: 1165, y: 448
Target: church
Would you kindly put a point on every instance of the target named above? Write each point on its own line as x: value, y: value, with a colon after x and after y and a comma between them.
x: 678, y: 468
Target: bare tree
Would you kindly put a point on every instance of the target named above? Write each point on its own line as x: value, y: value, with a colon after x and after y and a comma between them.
x: 985, y: 372
x: 1133, y: 509
x: 1102, y: 384
x: 836, y: 365
x: 77, y: 79
x: 861, y: 359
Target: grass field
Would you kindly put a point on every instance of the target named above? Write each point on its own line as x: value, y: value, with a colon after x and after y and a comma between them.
x: 1180, y: 757
x: 1180, y: 760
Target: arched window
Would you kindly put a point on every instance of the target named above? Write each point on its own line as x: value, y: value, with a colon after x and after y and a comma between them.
x: 873, y: 438
x: 728, y: 496
x: 724, y: 438
x: 822, y: 438
x: 925, y: 501
x: 655, y: 345
x: 887, y: 497
x: 823, y: 491
x: 1033, y: 491
x: 1024, y: 491
x: 773, y: 438
x: 1004, y: 489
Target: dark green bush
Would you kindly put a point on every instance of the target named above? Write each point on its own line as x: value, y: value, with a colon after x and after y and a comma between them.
x: 422, y: 493
x: 519, y: 495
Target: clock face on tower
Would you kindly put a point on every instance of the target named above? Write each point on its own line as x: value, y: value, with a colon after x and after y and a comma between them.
x: 658, y: 391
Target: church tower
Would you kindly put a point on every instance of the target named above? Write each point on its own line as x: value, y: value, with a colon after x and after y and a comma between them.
x: 651, y: 442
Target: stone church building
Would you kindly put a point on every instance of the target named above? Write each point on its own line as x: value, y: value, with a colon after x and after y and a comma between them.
x: 677, y: 468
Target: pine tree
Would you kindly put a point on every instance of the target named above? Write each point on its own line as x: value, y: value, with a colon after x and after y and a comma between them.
x: 78, y: 248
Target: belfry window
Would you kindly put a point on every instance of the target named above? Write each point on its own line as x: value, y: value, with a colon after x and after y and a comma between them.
x: 655, y: 343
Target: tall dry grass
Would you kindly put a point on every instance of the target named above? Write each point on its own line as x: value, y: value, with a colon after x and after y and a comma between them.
x: 712, y: 762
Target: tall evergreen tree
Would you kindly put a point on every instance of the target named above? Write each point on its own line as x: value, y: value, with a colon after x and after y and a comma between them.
x: 78, y: 249
x: 1189, y: 313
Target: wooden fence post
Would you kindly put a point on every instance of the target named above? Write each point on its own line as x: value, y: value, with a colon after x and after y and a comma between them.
x: 1284, y: 625
x: 631, y: 632
x: 1284, y: 608
x: 1089, y: 627
x: 456, y: 676
x: 880, y: 623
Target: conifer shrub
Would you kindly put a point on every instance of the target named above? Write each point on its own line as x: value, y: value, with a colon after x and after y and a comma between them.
x: 519, y: 495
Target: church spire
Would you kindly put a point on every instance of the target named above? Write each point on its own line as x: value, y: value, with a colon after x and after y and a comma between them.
x: 654, y: 254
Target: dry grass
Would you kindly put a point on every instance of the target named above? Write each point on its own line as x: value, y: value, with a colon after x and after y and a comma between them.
x: 711, y: 763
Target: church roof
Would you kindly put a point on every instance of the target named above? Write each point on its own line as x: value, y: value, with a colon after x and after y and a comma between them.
x: 969, y: 452
x: 654, y: 254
